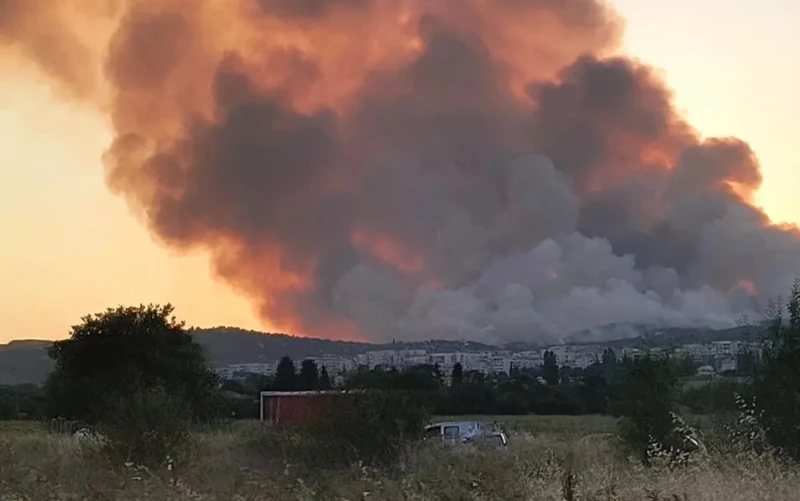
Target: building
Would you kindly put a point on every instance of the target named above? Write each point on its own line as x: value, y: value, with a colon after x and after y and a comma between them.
x: 242, y: 371
x: 383, y: 358
x: 336, y: 364
x: 501, y: 364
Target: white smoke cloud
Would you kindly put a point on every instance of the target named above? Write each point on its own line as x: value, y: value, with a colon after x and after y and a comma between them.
x: 562, y: 283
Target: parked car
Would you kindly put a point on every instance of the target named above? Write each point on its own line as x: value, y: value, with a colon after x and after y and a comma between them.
x: 457, y: 431
x: 466, y: 432
x: 490, y: 439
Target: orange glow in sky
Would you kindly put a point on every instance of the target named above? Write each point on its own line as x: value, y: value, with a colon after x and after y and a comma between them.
x: 69, y: 247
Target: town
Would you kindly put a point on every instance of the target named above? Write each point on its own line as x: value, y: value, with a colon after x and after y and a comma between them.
x: 711, y: 358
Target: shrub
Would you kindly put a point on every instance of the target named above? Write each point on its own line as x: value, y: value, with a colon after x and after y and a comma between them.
x: 777, y: 381
x: 147, y: 427
x: 740, y: 433
x: 372, y: 427
x: 646, y: 400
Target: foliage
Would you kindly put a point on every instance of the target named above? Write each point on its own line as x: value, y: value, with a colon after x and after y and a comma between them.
x: 740, y: 433
x: 373, y: 427
x: 21, y: 402
x: 550, y: 368
x: 716, y: 397
x: 646, y: 399
x: 122, y: 352
x: 146, y: 427
x: 423, y: 378
x: 458, y: 374
x: 746, y: 363
x: 777, y: 381
x: 308, y: 378
x: 475, y: 394
x: 239, y: 406
x: 285, y: 376
x: 251, y: 385
x: 324, y: 379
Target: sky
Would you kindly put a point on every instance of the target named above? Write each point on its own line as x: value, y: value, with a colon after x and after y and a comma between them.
x: 69, y: 247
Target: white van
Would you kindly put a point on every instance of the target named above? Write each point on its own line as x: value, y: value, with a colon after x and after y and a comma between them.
x: 456, y: 431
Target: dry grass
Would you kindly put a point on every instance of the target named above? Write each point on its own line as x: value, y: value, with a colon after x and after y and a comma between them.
x: 17, y: 427
x: 226, y: 466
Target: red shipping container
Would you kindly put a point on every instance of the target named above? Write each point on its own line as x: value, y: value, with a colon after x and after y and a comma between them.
x: 295, y: 408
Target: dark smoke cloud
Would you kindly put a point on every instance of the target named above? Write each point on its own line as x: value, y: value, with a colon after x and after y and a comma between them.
x: 448, y: 169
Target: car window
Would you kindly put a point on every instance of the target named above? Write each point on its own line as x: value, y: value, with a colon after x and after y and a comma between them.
x: 433, y: 431
x: 451, y: 432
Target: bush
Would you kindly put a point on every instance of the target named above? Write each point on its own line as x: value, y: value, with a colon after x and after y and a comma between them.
x: 777, y: 381
x: 715, y: 397
x: 646, y: 400
x: 740, y: 433
x: 147, y: 427
x: 121, y: 351
x: 372, y: 427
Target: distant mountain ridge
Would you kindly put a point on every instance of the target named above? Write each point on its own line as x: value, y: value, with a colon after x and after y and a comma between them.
x: 26, y: 361
x: 225, y: 345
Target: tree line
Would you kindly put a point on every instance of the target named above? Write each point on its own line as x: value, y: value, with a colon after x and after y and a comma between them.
x: 549, y: 389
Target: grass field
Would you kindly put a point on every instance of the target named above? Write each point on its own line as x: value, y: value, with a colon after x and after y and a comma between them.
x: 20, y: 427
x: 552, y: 463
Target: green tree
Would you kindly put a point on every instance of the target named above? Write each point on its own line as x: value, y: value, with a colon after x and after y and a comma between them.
x: 777, y: 381
x: 594, y: 392
x: 309, y: 375
x: 746, y: 363
x: 122, y: 352
x: 285, y: 376
x: 646, y: 399
x: 609, y: 357
x: 324, y: 379
x: 685, y: 366
x: 550, y: 371
x: 458, y: 374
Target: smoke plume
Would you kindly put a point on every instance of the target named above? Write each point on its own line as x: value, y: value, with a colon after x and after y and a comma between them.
x: 409, y: 169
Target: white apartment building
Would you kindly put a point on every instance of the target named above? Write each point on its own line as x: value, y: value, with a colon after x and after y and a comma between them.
x: 526, y: 363
x: 336, y: 364
x: 501, y: 364
x: 724, y: 348
x: 381, y: 357
x: 228, y: 371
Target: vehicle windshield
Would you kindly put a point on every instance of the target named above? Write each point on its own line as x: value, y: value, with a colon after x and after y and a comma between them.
x: 433, y: 431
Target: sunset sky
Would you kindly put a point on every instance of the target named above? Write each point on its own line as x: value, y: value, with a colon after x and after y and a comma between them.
x: 69, y: 247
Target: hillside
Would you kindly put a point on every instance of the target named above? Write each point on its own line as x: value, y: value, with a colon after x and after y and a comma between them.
x: 226, y: 345
x: 24, y: 362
